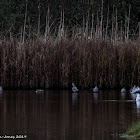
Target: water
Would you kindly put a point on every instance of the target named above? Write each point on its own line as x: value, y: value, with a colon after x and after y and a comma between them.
x: 63, y: 115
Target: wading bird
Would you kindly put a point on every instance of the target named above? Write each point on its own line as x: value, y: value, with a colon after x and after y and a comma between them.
x: 74, y: 88
x: 39, y: 91
x: 95, y: 89
x: 135, y: 89
x: 123, y: 90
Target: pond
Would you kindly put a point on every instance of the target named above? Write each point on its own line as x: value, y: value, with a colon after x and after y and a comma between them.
x: 63, y: 115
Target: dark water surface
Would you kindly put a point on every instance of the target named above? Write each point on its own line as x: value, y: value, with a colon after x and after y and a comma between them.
x: 63, y: 115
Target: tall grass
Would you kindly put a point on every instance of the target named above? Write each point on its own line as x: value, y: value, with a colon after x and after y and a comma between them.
x: 88, y: 56
x: 58, y: 63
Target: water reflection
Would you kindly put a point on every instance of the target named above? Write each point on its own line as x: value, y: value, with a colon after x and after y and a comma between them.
x: 138, y: 107
x: 123, y: 95
x: 95, y: 96
x: 133, y: 96
x: 64, y: 115
x: 138, y: 104
x: 74, y: 97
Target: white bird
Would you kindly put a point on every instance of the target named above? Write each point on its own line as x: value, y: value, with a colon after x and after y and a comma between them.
x: 74, y: 88
x: 95, y: 89
x: 39, y: 91
x: 138, y: 97
x: 132, y: 88
x: 123, y: 90
x: 1, y: 89
x: 135, y: 89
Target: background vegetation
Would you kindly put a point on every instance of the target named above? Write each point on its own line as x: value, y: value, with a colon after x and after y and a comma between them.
x: 13, y: 14
x: 50, y: 44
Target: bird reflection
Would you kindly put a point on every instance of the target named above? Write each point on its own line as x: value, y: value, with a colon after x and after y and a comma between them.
x: 138, y: 97
x: 95, y: 96
x: 138, y: 104
x: 133, y: 96
x: 74, y: 97
x: 138, y: 107
x: 1, y: 89
x: 123, y: 94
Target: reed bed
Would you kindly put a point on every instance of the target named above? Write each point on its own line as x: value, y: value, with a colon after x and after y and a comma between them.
x: 95, y: 54
x: 56, y: 63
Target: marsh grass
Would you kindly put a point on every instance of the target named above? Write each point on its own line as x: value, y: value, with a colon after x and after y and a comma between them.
x: 56, y: 63
x: 88, y: 56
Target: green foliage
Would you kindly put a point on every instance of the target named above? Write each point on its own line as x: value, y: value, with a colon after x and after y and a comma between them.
x: 133, y: 132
